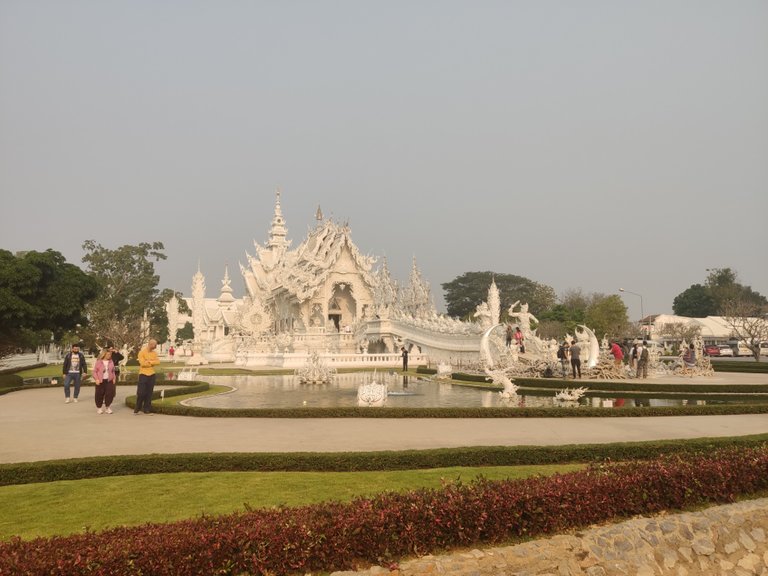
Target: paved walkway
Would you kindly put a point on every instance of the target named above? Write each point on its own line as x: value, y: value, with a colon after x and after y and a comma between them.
x: 37, y: 425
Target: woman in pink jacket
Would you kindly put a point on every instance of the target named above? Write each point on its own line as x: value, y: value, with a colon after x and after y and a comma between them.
x: 104, y: 375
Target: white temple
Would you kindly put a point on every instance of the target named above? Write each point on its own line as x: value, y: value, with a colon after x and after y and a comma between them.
x: 324, y: 296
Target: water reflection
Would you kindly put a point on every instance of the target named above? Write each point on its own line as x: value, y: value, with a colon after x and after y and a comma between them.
x: 404, y: 391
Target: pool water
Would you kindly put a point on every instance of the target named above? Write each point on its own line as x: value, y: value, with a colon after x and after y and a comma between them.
x: 404, y: 391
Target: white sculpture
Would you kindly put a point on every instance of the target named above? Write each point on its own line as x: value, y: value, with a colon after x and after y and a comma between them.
x: 523, y: 318
x: 500, y: 378
x: 444, y: 371
x: 483, y: 315
x: 315, y: 371
x: 590, y: 347
x: 372, y: 394
x: 570, y: 395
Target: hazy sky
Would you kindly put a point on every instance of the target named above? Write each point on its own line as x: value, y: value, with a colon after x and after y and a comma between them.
x: 583, y: 144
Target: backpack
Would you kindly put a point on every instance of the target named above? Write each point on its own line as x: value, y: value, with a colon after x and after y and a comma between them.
x: 644, y: 355
x: 561, y: 353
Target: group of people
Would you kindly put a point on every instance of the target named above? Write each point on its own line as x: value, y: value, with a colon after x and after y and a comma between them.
x: 638, y: 360
x: 515, y: 336
x: 106, y: 371
x: 570, y: 353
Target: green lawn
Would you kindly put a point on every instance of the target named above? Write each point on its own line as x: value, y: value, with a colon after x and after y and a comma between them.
x: 60, y: 508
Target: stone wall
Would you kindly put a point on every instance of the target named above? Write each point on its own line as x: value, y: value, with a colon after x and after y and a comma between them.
x: 729, y: 539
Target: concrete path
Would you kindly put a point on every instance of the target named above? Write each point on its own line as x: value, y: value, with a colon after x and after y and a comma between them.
x: 38, y: 425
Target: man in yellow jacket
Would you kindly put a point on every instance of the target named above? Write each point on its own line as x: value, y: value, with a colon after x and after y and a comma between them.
x: 147, y: 361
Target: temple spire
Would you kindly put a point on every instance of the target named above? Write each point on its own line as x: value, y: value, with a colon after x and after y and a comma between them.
x: 278, y: 231
x: 226, y: 289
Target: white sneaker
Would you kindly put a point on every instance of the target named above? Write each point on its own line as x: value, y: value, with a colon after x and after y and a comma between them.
x: 66, y: 400
x: 100, y: 411
x: 109, y: 410
x: 75, y: 399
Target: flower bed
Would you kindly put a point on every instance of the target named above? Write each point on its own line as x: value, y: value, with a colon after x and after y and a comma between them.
x: 335, y: 536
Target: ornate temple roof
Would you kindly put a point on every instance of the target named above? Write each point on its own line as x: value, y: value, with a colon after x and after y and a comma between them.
x: 308, y: 267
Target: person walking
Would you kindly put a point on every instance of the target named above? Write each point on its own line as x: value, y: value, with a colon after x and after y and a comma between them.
x: 147, y: 361
x: 73, y: 370
x: 104, y: 375
x: 509, y: 336
x: 405, y: 358
x: 575, y: 352
x: 171, y: 353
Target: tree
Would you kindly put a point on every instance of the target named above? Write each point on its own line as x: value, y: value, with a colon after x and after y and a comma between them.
x: 726, y: 290
x: 695, y: 302
x: 607, y: 315
x: 747, y: 321
x: 721, y: 289
x: 602, y: 313
x: 187, y: 332
x: 465, y: 292
x: 128, y: 283
x: 40, y: 295
x: 160, y: 320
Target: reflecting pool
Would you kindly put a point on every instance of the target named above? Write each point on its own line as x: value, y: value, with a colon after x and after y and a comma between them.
x: 404, y: 391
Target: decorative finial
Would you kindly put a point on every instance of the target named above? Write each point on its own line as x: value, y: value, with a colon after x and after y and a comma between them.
x: 319, y: 214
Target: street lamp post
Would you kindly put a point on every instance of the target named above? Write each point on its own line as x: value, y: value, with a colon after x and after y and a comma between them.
x: 642, y: 313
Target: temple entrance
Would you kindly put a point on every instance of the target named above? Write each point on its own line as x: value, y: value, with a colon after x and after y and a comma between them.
x: 342, y: 307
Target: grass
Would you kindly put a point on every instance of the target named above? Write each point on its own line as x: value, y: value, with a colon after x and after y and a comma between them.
x: 72, y: 506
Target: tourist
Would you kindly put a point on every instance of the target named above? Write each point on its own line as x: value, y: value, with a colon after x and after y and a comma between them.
x: 509, y: 336
x: 147, y: 361
x: 105, y: 378
x: 618, y: 354
x: 642, y: 360
x: 117, y: 357
x: 562, y: 355
x: 405, y: 358
x: 689, y: 358
x: 633, y: 357
x: 519, y: 340
x: 575, y: 353
x: 73, y: 370
x: 171, y: 353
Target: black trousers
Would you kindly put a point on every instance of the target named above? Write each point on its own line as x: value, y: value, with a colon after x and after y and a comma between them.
x: 144, y: 393
x: 576, y: 366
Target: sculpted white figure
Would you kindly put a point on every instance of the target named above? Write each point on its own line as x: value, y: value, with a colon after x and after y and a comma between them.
x: 315, y: 371
x: 483, y: 314
x: 523, y: 318
x: 372, y: 394
x: 501, y: 378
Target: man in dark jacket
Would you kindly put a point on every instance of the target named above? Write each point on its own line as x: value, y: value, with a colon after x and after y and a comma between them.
x: 74, y: 368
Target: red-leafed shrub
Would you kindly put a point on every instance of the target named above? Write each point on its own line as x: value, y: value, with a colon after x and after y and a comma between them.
x: 337, y: 536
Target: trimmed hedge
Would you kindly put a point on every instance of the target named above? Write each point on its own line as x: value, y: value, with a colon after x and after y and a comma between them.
x: 11, y: 381
x: 99, y: 467
x: 633, y: 386
x: 344, y: 536
x: 735, y: 366
x: 478, y: 412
